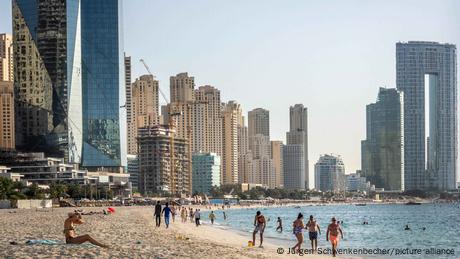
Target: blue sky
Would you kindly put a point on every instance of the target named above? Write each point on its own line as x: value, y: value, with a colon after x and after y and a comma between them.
x: 332, y: 56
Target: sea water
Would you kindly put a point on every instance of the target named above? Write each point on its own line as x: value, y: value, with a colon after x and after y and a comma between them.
x: 431, y: 226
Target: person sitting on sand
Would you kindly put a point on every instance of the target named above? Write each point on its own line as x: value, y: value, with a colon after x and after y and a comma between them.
x: 280, y: 225
x: 333, y: 229
x: 212, y: 217
x: 259, y: 223
x: 297, y: 228
x: 313, y: 229
x: 71, y: 235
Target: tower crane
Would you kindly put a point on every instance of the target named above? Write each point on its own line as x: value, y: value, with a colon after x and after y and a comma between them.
x: 171, y: 116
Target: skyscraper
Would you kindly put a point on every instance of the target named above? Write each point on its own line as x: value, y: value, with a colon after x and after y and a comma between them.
x: 144, y: 108
x: 207, y: 127
x: 47, y: 77
x: 330, y: 174
x: 298, y: 134
x: 231, y: 115
x: 6, y: 57
x: 7, y: 141
x: 102, y: 77
x: 128, y: 105
x: 276, y: 154
x: 294, y: 167
x: 382, y: 153
x: 206, y: 172
x: 258, y: 123
x: 262, y: 170
x: 427, y: 74
x: 182, y: 88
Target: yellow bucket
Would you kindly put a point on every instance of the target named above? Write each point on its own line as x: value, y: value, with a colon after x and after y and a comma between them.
x: 250, y: 244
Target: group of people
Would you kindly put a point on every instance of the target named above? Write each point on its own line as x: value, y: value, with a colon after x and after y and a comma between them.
x: 332, y: 233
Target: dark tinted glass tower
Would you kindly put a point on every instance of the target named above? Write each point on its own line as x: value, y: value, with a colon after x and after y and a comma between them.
x: 47, y: 77
x: 101, y: 71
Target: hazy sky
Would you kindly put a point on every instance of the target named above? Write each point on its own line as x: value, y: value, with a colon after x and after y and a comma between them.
x: 332, y: 56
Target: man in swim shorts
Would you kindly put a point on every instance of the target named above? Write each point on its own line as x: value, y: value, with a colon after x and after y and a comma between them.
x: 313, y: 229
x: 333, y: 234
x: 259, y: 223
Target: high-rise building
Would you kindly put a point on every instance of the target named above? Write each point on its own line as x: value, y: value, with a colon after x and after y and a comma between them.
x: 258, y: 123
x: 6, y: 57
x: 207, y: 126
x: 128, y: 105
x: 160, y: 170
x: 182, y: 88
x: 330, y: 174
x: 298, y: 134
x: 231, y: 117
x: 294, y: 171
x: 47, y: 77
x: 7, y: 141
x: 382, y: 153
x: 206, y: 172
x: 133, y: 171
x: 144, y: 108
x: 104, y: 139
x: 244, y: 154
x: 276, y: 154
x: 427, y: 74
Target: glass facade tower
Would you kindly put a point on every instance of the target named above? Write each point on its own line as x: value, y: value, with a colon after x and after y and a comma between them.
x: 47, y: 77
x: 102, y: 77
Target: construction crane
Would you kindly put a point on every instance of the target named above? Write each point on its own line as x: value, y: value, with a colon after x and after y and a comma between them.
x: 171, y: 125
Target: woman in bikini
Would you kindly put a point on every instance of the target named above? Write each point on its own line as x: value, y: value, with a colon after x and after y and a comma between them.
x: 71, y: 235
x: 297, y: 229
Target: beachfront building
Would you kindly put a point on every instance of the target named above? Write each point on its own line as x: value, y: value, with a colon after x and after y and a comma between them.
x: 382, y: 153
x: 298, y: 134
x: 133, y: 171
x: 144, y: 102
x: 160, y: 170
x: 206, y: 172
x: 427, y: 74
x: 7, y: 139
x: 231, y: 117
x: 128, y: 105
x: 104, y: 137
x: 48, y: 77
x: 358, y: 183
x: 263, y: 170
x: 330, y: 174
x: 276, y: 154
x: 6, y: 57
x: 244, y: 154
x: 294, y: 171
x: 258, y: 124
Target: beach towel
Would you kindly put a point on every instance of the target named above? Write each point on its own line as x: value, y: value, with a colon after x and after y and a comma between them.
x: 42, y: 242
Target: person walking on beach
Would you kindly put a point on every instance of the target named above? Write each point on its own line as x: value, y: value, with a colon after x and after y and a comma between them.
x: 333, y: 234
x: 259, y: 223
x: 280, y: 225
x: 191, y: 215
x: 71, y: 235
x: 166, y: 211
x: 183, y: 214
x: 173, y: 213
x: 212, y: 217
x: 197, y: 217
x: 157, y: 214
x: 297, y: 230
x: 313, y: 229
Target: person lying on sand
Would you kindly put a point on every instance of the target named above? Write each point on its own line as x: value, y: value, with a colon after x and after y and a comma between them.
x: 71, y: 235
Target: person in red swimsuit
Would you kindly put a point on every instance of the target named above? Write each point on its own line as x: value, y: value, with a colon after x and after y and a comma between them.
x: 333, y: 234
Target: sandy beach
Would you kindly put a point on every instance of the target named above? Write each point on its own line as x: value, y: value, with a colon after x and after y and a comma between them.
x: 130, y: 232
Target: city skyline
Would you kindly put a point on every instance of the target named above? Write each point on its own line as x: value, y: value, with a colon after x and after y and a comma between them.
x: 361, y: 68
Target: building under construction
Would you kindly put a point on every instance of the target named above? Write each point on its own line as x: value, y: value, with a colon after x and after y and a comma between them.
x: 156, y: 173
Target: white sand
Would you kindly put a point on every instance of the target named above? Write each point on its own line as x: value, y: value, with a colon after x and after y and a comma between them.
x: 130, y: 233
